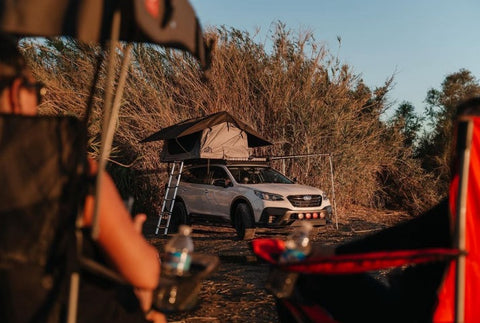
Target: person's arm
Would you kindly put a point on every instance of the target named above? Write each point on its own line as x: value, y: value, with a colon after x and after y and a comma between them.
x: 134, y: 258
x: 145, y: 296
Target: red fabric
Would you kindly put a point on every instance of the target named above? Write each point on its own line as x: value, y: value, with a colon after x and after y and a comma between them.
x: 152, y: 7
x: 359, y: 263
x: 269, y: 249
x: 445, y: 311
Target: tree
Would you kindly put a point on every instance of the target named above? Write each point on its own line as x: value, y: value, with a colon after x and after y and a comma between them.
x: 408, y: 122
x: 435, y: 146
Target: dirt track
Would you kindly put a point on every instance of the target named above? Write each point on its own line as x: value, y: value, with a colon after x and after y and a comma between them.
x: 235, y: 291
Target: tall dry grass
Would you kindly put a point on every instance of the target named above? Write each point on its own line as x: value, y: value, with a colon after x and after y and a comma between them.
x: 297, y: 94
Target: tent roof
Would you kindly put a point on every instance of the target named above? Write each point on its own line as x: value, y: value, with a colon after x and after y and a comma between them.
x: 191, y: 126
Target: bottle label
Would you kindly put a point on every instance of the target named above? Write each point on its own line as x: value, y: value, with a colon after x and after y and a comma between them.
x: 292, y: 255
x: 177, y: 262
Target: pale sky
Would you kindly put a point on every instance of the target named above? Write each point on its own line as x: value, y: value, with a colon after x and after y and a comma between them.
x: 420, y: 41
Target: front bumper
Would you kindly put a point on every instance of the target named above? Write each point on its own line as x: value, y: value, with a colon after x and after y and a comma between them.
x: 282, y: 216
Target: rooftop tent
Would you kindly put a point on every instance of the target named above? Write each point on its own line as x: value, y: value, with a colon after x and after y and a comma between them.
x: 216, y: 136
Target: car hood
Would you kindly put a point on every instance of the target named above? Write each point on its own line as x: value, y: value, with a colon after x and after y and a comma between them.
x: 284, y: 189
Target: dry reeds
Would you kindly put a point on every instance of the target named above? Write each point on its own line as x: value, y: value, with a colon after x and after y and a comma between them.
x: 297, y: 94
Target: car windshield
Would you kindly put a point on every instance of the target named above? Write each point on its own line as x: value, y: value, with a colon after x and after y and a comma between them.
x: 257, y: 175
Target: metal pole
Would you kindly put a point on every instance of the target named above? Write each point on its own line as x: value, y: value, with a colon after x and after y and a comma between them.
x: 109, y: 131
x: 73, y: 298
x: 333, y: 190
x: 465, y: 129
x: 297, y: 156
x: 75, y: 277
x: 283, y: 158
x: 106, y: 114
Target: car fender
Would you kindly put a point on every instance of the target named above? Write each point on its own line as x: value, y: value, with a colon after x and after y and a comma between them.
x: 180, y: 199
x: 236, y: 201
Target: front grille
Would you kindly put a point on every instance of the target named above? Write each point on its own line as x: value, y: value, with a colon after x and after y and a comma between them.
x: 305, y: 200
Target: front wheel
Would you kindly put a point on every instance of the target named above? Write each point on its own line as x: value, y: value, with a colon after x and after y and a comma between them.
x: 243, y: 222
x: 328, y: 213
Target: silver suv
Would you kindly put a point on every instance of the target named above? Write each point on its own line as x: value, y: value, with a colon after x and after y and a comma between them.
x: 249, y: 195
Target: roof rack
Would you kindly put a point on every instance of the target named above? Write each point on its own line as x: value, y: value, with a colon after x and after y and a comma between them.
x: 249, y: 159
x: 228, y: 161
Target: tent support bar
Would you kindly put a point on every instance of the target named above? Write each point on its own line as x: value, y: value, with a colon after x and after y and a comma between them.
x: 283, y: 158
x: 333, y: 190
x: 297, y: 156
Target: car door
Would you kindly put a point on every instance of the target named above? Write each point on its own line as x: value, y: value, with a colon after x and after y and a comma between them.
x: 193, y: 190
x: 220, y: 197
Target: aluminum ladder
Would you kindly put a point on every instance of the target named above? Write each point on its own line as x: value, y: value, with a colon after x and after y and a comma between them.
x: 169, y: 201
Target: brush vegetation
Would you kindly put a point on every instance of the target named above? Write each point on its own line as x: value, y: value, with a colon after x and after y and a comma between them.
x: 295, y: 92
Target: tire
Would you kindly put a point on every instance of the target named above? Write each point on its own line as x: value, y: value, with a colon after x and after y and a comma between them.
x: 243, y: 222
x: 329, y: 213
x: 179, y: 217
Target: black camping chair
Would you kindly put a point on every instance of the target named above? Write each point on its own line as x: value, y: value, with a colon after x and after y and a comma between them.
x: 339, y: 287
x: 42, y: 167
x: 41, y: 250
x: 332, y: 289
x: 43, y: 173
x: 437, y: 256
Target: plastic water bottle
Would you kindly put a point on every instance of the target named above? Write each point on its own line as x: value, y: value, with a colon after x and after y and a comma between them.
x: 178, y: 252
x: 297, y: 244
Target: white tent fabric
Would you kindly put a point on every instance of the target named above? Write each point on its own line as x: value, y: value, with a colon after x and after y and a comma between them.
x: 216, y: 136
x: 224, y: 141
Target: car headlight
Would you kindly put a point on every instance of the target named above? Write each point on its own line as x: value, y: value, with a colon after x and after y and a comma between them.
x: 268, y: 196
x: 324, y: 196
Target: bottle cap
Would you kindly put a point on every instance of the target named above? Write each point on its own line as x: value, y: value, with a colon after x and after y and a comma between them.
x: 184, y: 229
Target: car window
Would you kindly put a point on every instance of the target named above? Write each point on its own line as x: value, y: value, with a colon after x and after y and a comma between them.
x: 197, y: 175
x: 257, y: 175
x: 217, y: 173
x: 204, y: 175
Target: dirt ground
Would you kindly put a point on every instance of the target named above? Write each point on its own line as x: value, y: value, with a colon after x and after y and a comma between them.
x: 235, y: 291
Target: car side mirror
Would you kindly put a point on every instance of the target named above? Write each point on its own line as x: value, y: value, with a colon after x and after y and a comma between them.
x: 295, y: 180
